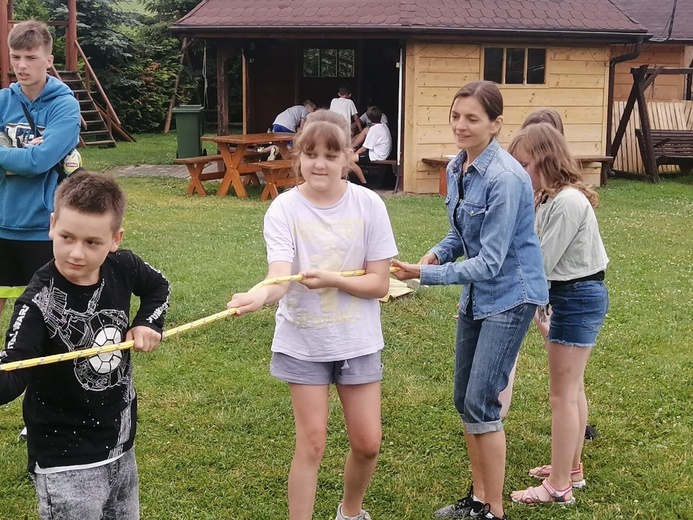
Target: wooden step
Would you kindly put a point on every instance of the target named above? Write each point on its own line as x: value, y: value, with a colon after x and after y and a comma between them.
x: 109, y: 143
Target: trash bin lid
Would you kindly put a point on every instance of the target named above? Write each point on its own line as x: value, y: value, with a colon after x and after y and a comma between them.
x: 187, y: 108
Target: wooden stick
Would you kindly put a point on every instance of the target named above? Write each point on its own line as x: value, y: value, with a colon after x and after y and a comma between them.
x: 95, y: 351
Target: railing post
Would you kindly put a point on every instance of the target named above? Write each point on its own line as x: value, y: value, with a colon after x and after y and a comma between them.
x: 71, y: 36
x: 4, y: 54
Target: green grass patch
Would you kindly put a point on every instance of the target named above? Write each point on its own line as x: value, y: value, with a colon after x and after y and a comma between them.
x: 148, y: 149
x: 215, y: 435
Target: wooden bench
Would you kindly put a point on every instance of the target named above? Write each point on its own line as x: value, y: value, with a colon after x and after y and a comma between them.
x: 278, y: 174
x: 377, y: 180
x: 668, y: 146
x: 196, y: 165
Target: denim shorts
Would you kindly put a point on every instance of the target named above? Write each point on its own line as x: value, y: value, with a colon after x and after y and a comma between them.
x: 577, y: 313
x: 485, y: 353
x: 356, y: 371
x: 108, y: 492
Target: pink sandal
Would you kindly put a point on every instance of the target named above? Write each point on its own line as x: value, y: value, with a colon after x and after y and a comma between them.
x: 543, y: 472
x: 562, y: 497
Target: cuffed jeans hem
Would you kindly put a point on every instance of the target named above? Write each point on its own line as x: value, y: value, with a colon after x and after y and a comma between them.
x: 481, y: 428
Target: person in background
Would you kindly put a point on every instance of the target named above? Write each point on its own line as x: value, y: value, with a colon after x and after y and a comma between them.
x: 345, y: 107
x: 28, y: 179
x: 490, y: 209
x: 376, y: 146
x: 575, y: 261
x: 291, y: 119
x: 552, y: 117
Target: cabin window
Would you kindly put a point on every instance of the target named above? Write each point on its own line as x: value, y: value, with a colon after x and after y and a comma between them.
x: 328, y: 63
x: 515, y: 65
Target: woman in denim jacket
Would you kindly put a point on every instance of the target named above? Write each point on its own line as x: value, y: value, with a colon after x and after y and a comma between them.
x: 490, y: 207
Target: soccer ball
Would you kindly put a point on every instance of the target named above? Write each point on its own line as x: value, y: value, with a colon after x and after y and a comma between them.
x: 109, y: 361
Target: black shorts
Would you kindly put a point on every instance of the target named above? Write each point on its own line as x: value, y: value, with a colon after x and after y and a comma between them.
x: 364, y: 158
x: 19, y: 260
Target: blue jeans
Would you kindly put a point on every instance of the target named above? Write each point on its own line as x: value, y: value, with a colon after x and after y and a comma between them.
x: 485, y: 352
x: 577, y: 313
x: 108, y: 492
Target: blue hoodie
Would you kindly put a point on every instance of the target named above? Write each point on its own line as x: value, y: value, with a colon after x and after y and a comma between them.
x: 27, y: 184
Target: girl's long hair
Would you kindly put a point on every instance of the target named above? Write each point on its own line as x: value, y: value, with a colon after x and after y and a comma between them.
x: 549, y: 150
x: 322, y: 126
x: 545, y: 115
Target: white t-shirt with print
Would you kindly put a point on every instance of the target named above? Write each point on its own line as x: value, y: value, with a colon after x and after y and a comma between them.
x: 344, y: 107
x: 328, y: 324
x: 379, y: 142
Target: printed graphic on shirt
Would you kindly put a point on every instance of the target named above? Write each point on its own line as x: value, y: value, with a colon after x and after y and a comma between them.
x: 81, y: 330
x: 20, y: 134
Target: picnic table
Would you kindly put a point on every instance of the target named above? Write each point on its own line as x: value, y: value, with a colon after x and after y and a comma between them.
x: 232, y: 149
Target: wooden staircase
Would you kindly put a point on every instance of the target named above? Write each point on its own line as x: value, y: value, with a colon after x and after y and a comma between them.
x: 95, y: 128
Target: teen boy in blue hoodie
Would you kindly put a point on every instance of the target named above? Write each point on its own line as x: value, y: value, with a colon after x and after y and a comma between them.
x: 27, y: 180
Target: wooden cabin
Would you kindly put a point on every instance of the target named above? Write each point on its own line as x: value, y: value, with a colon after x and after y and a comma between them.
x: 671, y: 25
x: 410, y: 58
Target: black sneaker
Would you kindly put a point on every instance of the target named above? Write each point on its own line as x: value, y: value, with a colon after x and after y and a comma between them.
x: 486, y: 514
x: 591, y: 432
x: 462, y: 509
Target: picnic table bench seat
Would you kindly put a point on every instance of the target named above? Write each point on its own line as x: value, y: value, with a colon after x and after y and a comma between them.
x: 196, y: 165
x: 278, y: 174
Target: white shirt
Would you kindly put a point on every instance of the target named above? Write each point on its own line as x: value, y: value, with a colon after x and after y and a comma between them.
x: 379, y: 142
x: 291, y: 117
x: 344, y: 107
x: 328, y: 324
x: 571, y: 245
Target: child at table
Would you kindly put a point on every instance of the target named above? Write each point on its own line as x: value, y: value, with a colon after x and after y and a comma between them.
x: 81, y: 415
x: 327, y: 326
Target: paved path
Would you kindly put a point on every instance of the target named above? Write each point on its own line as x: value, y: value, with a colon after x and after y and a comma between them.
x: 178, y: 171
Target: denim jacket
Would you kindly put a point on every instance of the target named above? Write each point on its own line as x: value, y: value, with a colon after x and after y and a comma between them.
x: 492, y: 226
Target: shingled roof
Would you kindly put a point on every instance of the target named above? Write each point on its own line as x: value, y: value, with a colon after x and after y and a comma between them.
x: 657, y: 20
x: 599, y: 18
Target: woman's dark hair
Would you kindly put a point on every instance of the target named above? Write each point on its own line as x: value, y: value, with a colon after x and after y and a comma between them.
x: 486, y: 93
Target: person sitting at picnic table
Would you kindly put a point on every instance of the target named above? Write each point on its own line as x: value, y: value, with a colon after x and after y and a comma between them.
x: 365, y: 121
x: 360, y: 137
x: 377, y: 143
x: 291, y: 119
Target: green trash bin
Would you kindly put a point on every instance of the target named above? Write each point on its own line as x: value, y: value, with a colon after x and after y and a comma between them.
x: 189, y: 129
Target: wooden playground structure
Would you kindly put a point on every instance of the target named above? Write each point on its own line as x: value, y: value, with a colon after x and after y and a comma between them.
x: 99, y: 119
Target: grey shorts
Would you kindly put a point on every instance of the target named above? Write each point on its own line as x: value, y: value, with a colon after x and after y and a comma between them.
x: 356, y: 371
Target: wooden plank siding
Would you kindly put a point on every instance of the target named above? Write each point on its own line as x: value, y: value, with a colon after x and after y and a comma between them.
x: 654, y: 55
x: 664, y: 115
x: 576, y: 86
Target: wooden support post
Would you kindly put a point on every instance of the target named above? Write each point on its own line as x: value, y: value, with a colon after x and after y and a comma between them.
x: 638, y: 74
x: 4, y: 55
x: 222, y: 89
x: 71, y: 37
x: 648, y: 157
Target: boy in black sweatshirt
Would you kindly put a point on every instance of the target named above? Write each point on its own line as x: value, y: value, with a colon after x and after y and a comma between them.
x: 81, y: 414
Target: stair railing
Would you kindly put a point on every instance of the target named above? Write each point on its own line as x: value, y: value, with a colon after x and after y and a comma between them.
x: 89, y: 74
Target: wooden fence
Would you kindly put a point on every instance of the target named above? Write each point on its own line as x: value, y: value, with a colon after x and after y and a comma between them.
x: 664, y: 115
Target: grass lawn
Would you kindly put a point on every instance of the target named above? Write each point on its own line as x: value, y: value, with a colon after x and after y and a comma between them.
x: 215, y: 435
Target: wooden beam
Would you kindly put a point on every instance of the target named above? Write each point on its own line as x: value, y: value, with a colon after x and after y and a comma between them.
x: 638, y: 74
x: 222, y: 90
x: 5, y: 16
x: 648, y: 157
x: 71, y: 36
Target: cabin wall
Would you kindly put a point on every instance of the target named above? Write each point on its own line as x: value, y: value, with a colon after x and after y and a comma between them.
x: 576, y: 86
x: 655, y: 55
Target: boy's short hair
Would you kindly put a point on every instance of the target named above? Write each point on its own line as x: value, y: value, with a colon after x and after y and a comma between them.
x: 309, y: 105
x: 374, y: 114
x: 29, y: 35
x: 91, y: 193
x: 344, y: 90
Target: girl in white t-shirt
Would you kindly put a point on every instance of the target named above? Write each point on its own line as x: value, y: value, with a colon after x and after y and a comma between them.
x: 327, y: 326
x: 574, y: 261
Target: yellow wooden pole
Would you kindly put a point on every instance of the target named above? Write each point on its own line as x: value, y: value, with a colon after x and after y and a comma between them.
x: 95, y: 351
